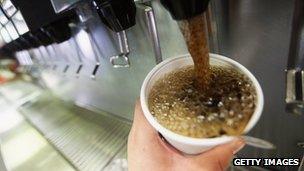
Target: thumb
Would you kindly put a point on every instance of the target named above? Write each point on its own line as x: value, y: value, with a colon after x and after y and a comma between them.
x: 140, y: 123
x: 223, y: 154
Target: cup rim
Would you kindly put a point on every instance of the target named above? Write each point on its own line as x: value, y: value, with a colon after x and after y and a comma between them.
x: 199, y: 141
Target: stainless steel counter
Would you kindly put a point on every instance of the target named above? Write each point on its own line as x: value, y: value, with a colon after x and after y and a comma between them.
x: 56, y: 134
x: 23, y: 148
x: 86, y: 139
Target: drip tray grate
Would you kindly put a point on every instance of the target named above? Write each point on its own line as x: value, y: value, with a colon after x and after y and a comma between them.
x: 89, y: 141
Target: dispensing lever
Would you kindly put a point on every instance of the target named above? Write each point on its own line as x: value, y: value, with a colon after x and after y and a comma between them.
x: 123, y: 42
x: 78, y: 51
x: 51, y: 48
x: 118, y: 15
x: 122, y: 59
x: 152, y: 31
x: 95, y: 51
x: 35, y: 43
x: 59, y: 52
x: 295, y: 68
x: 83, y: 16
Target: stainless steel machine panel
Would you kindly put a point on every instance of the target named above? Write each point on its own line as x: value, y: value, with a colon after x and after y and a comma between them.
x: 257, y: 34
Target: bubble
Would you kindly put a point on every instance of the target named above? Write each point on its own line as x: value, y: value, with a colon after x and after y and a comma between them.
x: 177, y: 105
x: 210, y: 118
x: 201, y: 117
x: 220, y: 104
x: 231, y: 113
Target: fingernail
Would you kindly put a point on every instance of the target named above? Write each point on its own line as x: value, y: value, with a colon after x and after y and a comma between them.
x: 238, y: 144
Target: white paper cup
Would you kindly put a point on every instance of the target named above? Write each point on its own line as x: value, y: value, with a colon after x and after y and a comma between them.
x: 185, y: 144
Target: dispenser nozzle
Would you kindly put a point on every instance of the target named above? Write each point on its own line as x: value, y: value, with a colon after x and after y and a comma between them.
x: 185, y: 9
x: 118, y: 15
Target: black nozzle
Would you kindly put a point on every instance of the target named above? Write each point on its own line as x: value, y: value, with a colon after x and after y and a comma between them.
x: 39, y: 13
x: 29, y: 37
x: 43, y: 37
x: 59, y: 31
x: 23, y: 43
x: 12, y: 46
x: 185, y: 9
x: 118, y: 15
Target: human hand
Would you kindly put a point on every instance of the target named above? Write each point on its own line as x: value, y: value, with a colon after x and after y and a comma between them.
x: 147, y: 151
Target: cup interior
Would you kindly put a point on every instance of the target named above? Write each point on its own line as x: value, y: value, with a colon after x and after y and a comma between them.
x: 176, y: 63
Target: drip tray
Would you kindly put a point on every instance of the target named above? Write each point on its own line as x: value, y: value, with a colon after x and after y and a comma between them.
x: 88, y: 140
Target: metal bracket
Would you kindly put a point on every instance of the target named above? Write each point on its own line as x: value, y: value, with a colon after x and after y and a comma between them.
x: 116, y: 64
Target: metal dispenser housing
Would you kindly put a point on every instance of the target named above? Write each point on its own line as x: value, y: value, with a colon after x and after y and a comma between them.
x: 117, y: 42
